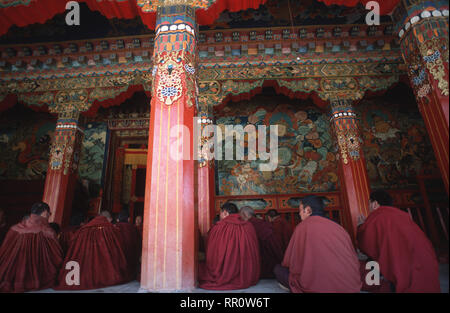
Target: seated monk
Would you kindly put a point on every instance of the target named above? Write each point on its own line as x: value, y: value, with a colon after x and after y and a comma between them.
x: 132, y: 242
x: 281, y: 228
x: 270, y: 249
x: 232, y: 253
x: 30, y: 256
x: 405, y: 256
x: 97, y: 249
x: 214, y: 222
x: 320, y: 256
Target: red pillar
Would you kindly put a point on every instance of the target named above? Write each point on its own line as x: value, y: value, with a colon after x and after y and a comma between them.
x: 206, y: 181
x: 169, y: 260
x: 355, y: 187
x: 63, y: 167
x: 425, y: 51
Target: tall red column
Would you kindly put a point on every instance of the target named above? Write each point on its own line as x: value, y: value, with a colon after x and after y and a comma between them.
x: 424, y: 42
x: 169, y: 260
x: 206, y: 180
x: 63, y: 167
x: 355, y: 187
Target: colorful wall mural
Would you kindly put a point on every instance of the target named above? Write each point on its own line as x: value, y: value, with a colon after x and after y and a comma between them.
x: 396, y: 144
x: 25, y: 142
x: 93, y: 152
x: 306, y: 156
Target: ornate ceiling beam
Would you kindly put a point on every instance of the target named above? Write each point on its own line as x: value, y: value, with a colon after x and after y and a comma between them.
x: 353, y: 70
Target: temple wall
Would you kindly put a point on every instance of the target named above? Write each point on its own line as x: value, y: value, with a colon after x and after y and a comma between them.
x: 93, y: 154
x: 396, y: 144
x: 306, y: 153
x: 25, y: 140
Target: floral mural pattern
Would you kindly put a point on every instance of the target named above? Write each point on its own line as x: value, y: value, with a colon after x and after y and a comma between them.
x: 306, y: 156
x: 93, y: 152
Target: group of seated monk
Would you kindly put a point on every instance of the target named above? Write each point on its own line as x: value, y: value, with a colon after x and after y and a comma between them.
x: 33, y: 256
x: 240, y: 249
x: 320, y: 255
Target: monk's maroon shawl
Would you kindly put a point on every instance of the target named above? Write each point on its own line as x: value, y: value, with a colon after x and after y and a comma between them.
x: 232, y: 256
x: 30, y: 256
x: 269, y: 246
x: 403, y: 252
x: 283, y: 230
x: 131, y: 244
x: 97, y: 247
x: 66, y: 236
x: 321, y: 258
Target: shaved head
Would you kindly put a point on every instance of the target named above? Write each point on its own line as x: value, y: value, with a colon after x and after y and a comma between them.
x: 106, y: 214
x: 247, y: 212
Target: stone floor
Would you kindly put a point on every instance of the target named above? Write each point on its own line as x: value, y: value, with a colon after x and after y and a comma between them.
x: 264, y: 286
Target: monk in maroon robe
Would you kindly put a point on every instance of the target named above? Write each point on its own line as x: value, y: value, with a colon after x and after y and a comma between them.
x: 281, y: 228
x: 97, y: 249
x: 271, y: 252
x: 30, y: 256
x: 131, y: 242
x: 405, y: 256
x: 232, y: 253
x: 66, y: 236
x: 320, y: 256
x: 68, y: 233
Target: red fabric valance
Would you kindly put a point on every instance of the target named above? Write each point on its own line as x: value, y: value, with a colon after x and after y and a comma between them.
x: 40, y: 11
x: 386, y: 6
x: 320, y: 103
x: 23, y: 15
x: 116, y: 101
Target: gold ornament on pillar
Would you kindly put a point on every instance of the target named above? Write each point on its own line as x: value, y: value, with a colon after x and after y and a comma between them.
x: 432, y: 55
x: 57, y: 155
x: 191, y: 81
x: 169, y: 71
x: 349, y: 144
x: 64, y: 153
x: 204, y: 154
x: 346, y: 129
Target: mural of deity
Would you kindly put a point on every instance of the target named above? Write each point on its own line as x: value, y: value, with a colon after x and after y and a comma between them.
x: 25, y: 147
x: 306, y: 159
x: 396, y: 145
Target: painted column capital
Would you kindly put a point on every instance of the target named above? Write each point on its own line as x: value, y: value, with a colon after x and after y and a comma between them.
x: 345, y: 124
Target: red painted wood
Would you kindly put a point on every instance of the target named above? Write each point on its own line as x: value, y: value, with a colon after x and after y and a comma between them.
x: 206, y: 204
x: 170, y: 219
x: 433, y: 234
x: 133, y: 194
x: 438, y: 130
x: 278, y: 202
x: 58, y: 194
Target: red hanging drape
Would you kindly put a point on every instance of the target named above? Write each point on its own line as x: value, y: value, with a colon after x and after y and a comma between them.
x: 116, y: 101
x: 386, y: 6
x: 36, y: 12
x: 279, y: 90
x: 40, y: 11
